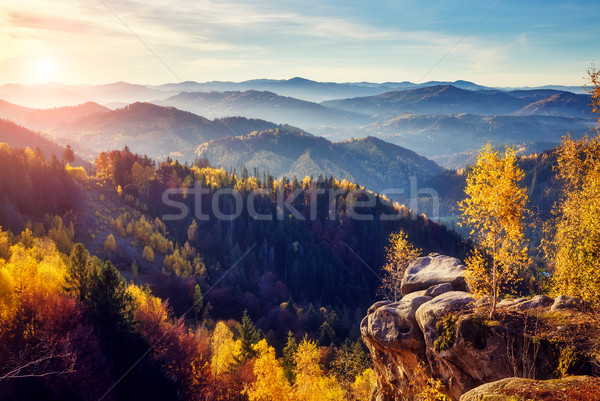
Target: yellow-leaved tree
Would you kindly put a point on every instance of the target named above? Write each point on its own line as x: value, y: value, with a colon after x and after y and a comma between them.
x: 399, y: 253
x: 494, y: 209
x: 270, y: 383
x: 363, y: 385
x: 575, y: 241
x: 311, y: 383
x: 225, y: 350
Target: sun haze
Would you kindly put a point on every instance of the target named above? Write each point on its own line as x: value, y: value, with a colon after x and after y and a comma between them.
x: 494, y: 43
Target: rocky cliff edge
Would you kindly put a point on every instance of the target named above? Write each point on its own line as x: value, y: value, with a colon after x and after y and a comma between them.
x: 439, y: 333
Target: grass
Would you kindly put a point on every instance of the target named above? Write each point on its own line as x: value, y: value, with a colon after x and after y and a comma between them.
x: 446, y: 327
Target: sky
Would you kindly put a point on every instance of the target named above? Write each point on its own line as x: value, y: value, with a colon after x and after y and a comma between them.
x: 491, y: 42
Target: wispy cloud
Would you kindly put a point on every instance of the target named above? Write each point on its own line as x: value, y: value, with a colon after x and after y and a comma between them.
x: 209, y: 39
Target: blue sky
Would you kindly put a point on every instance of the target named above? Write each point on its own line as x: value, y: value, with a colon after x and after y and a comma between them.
x: 514, y: 43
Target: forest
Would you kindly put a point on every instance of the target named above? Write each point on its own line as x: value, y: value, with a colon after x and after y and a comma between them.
x: 103, y: 299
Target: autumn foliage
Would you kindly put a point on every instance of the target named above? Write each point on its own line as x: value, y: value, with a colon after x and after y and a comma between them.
x: 494, y: 210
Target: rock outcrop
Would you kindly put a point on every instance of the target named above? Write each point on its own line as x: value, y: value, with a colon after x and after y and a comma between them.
x: 433, y: 270
x: 438, y: 330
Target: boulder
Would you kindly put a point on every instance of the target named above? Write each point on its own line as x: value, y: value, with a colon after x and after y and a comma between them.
x: 393, y: 337
x: 438, y: 289
x: 393, y: 325
x: 438, y: 330
x: 432, y: 311
x: 565, y: 302
x: 572, y: 388
x: 431, y: 270
x: 539, y: 301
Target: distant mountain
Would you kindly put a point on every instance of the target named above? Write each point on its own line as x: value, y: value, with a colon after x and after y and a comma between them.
x: 580, y: 90
x: 41, y: 96
x: 58, y: 95
x: 309, y: 90
x: 564, y: 104
x: 297, y: 87
x: 154, y: 130
x: 448, y: 99
x: 122, y: 92
x: 263, y: 105
x: 369, y: 161
x: 467, y: 85
x: 443, y: 99
x: 440, y: 136
x: 47, y: 119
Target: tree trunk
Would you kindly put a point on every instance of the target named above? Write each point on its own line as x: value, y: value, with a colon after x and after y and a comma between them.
x: 494, y: 281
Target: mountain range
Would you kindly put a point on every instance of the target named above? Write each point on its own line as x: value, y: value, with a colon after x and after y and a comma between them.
x: 453, y: 139
x: 446, y: 123
x: 448, y: 99
x: 264, y: 105
x: 56, y: 94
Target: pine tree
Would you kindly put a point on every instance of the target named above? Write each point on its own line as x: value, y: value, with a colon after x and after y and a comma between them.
x: 78, y: 272
x: 248, y: 336
x: 69, y: 154
x: 291, y: 346
x: 198, y: 301
x: 110, y: 302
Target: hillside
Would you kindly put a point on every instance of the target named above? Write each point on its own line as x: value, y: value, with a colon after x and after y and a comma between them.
x: 263, y: 105
x: 369, y: 161
x: 153, y: 130
x: 20, y: 137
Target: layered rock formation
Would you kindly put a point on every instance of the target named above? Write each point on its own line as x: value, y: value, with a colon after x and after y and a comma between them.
x: 572, y: 388
x: 438, y: 330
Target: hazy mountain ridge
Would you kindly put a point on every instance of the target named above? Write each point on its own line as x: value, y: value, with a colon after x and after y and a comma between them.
x: 46, y: 119
x: 369, y: 161
x: 448, y: 99
x: 440, y: 136
x: 442, y: 121
x: 56, y: 95
x: 264, y: 105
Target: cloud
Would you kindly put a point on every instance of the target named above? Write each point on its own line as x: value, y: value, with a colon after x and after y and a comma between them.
x: 253, y: 36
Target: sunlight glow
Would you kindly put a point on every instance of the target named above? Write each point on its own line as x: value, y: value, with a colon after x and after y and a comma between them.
x: 44, y: 69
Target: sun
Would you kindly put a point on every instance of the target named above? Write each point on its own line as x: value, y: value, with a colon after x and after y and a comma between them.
x: 44, y: 69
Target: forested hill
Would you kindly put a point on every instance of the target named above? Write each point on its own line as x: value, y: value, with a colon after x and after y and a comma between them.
x: 302, y: 257
x: 311, y: 248
x: 369, y: 161
x: 20, y: 137
x: 156, y: 131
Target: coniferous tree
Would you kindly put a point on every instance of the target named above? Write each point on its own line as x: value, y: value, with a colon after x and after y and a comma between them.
x: 78, y: 272
x: 291, y: 346
x: 248, y: 336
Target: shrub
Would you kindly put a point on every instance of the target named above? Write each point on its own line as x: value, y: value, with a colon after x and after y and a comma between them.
x: 148, y: 254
